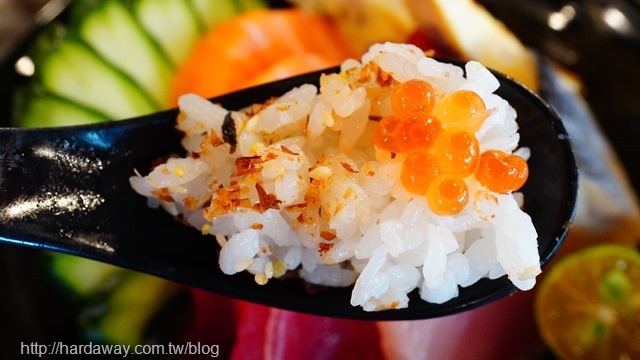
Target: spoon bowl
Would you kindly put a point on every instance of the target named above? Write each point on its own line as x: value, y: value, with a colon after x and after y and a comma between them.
x: 67, y: 189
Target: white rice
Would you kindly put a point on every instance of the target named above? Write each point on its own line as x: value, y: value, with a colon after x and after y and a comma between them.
x: 306, y: 190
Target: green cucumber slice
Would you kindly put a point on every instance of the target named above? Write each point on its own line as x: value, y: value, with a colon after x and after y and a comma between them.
x: 113, y: 32
x: 84, y: 277
x: 74, y: 72
x: 50, y: 110
x: 131, y: 306
x: 171, y: 23
x: 246, y: 5
x: 212, y: 12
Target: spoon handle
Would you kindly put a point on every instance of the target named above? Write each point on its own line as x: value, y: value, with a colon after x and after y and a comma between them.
x: 56, y: 184
x: 67, y: 189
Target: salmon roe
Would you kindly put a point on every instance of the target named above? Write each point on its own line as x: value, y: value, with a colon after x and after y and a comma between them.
x: 447, y: 195
x: 461, y: 108
x: 419, y: 169
x: 501, y: 172
x: 415, y: 131
x: 383, y: 137
x: 457, y: 151
x: 440, y: 148
x: 412, y: 96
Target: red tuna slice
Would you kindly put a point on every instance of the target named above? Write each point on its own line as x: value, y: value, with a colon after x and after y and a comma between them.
x: 270, y: 333
x: 213, y: 322
x: 504, y: 329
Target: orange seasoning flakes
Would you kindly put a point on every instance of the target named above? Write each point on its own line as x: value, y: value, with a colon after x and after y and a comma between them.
x: 373, y: 72
x: 314, y: 191
x: 213, y: 139
x: 324, y: 248
x: 226, y: 200
x: 310, y: 208
x: 349, y: 168
x: 257, y: 226
x: 327, y: 235
x: 384, y: 79
x: 267, y: 201
x: 288, y: 151
x: 347, y: 193
x: 256, y: 108
x: 210, y: 141
x: 191, y: 202
x: 368, y: 170
x: 246, y: 165
x: 163, y: 194
x: 270, y: 155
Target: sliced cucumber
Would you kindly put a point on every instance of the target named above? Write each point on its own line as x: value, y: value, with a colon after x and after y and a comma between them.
x: 212, y: 12
x: 114, y: 60
x: 245, y: 5
x: 171, y: 23
x: 50, y: 110
x: 74, y: 72
x: 131, y: 306
x: 114, y: 33
x: 85, y: 277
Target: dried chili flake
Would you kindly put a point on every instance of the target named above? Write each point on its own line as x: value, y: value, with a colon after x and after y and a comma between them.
x: 349, y: 168
x: 288, y: 151
x: 267, y: 201
x: 246, y: 165
x: 163, y: 194
x: 191, y: 202
x: 227, y: 199
x: 324, y: 248
x: 270, y: 156
x: 212, y: 139
x: 327, y: 235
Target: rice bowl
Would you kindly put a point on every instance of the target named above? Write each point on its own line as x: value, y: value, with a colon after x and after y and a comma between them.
x: 298, y: 185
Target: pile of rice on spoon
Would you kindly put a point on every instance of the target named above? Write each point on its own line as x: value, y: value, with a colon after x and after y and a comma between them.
x: 398, y: 173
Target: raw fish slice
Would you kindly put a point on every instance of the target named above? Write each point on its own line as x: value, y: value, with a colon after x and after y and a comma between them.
x: 213, y: 322
x: 270, y: 333
x: 501, y: 330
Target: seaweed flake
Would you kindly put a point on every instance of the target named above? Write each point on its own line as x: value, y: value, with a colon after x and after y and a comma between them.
x: 229, y: 132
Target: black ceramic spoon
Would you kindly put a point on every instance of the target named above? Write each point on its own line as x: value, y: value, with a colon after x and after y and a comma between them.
x: 67, y: 189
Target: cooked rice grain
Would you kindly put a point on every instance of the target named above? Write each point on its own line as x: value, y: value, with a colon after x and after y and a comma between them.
x: 306, y: 190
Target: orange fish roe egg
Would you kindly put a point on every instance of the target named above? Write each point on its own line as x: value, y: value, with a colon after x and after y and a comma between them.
x: 412, y: 96
x: 440, y: 148
x: 461, y: 108
x: 415, y: 131
x: 457, y: 152
x: 501, y: 172
x: 447, y: 195
x: 419, y: 169
x: 383, y: 137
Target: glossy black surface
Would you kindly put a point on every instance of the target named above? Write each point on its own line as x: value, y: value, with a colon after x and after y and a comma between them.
x: 67, y: 189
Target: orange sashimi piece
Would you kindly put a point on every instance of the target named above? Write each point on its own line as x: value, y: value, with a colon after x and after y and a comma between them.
x: 290, y: 66
x: 234, y: 52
